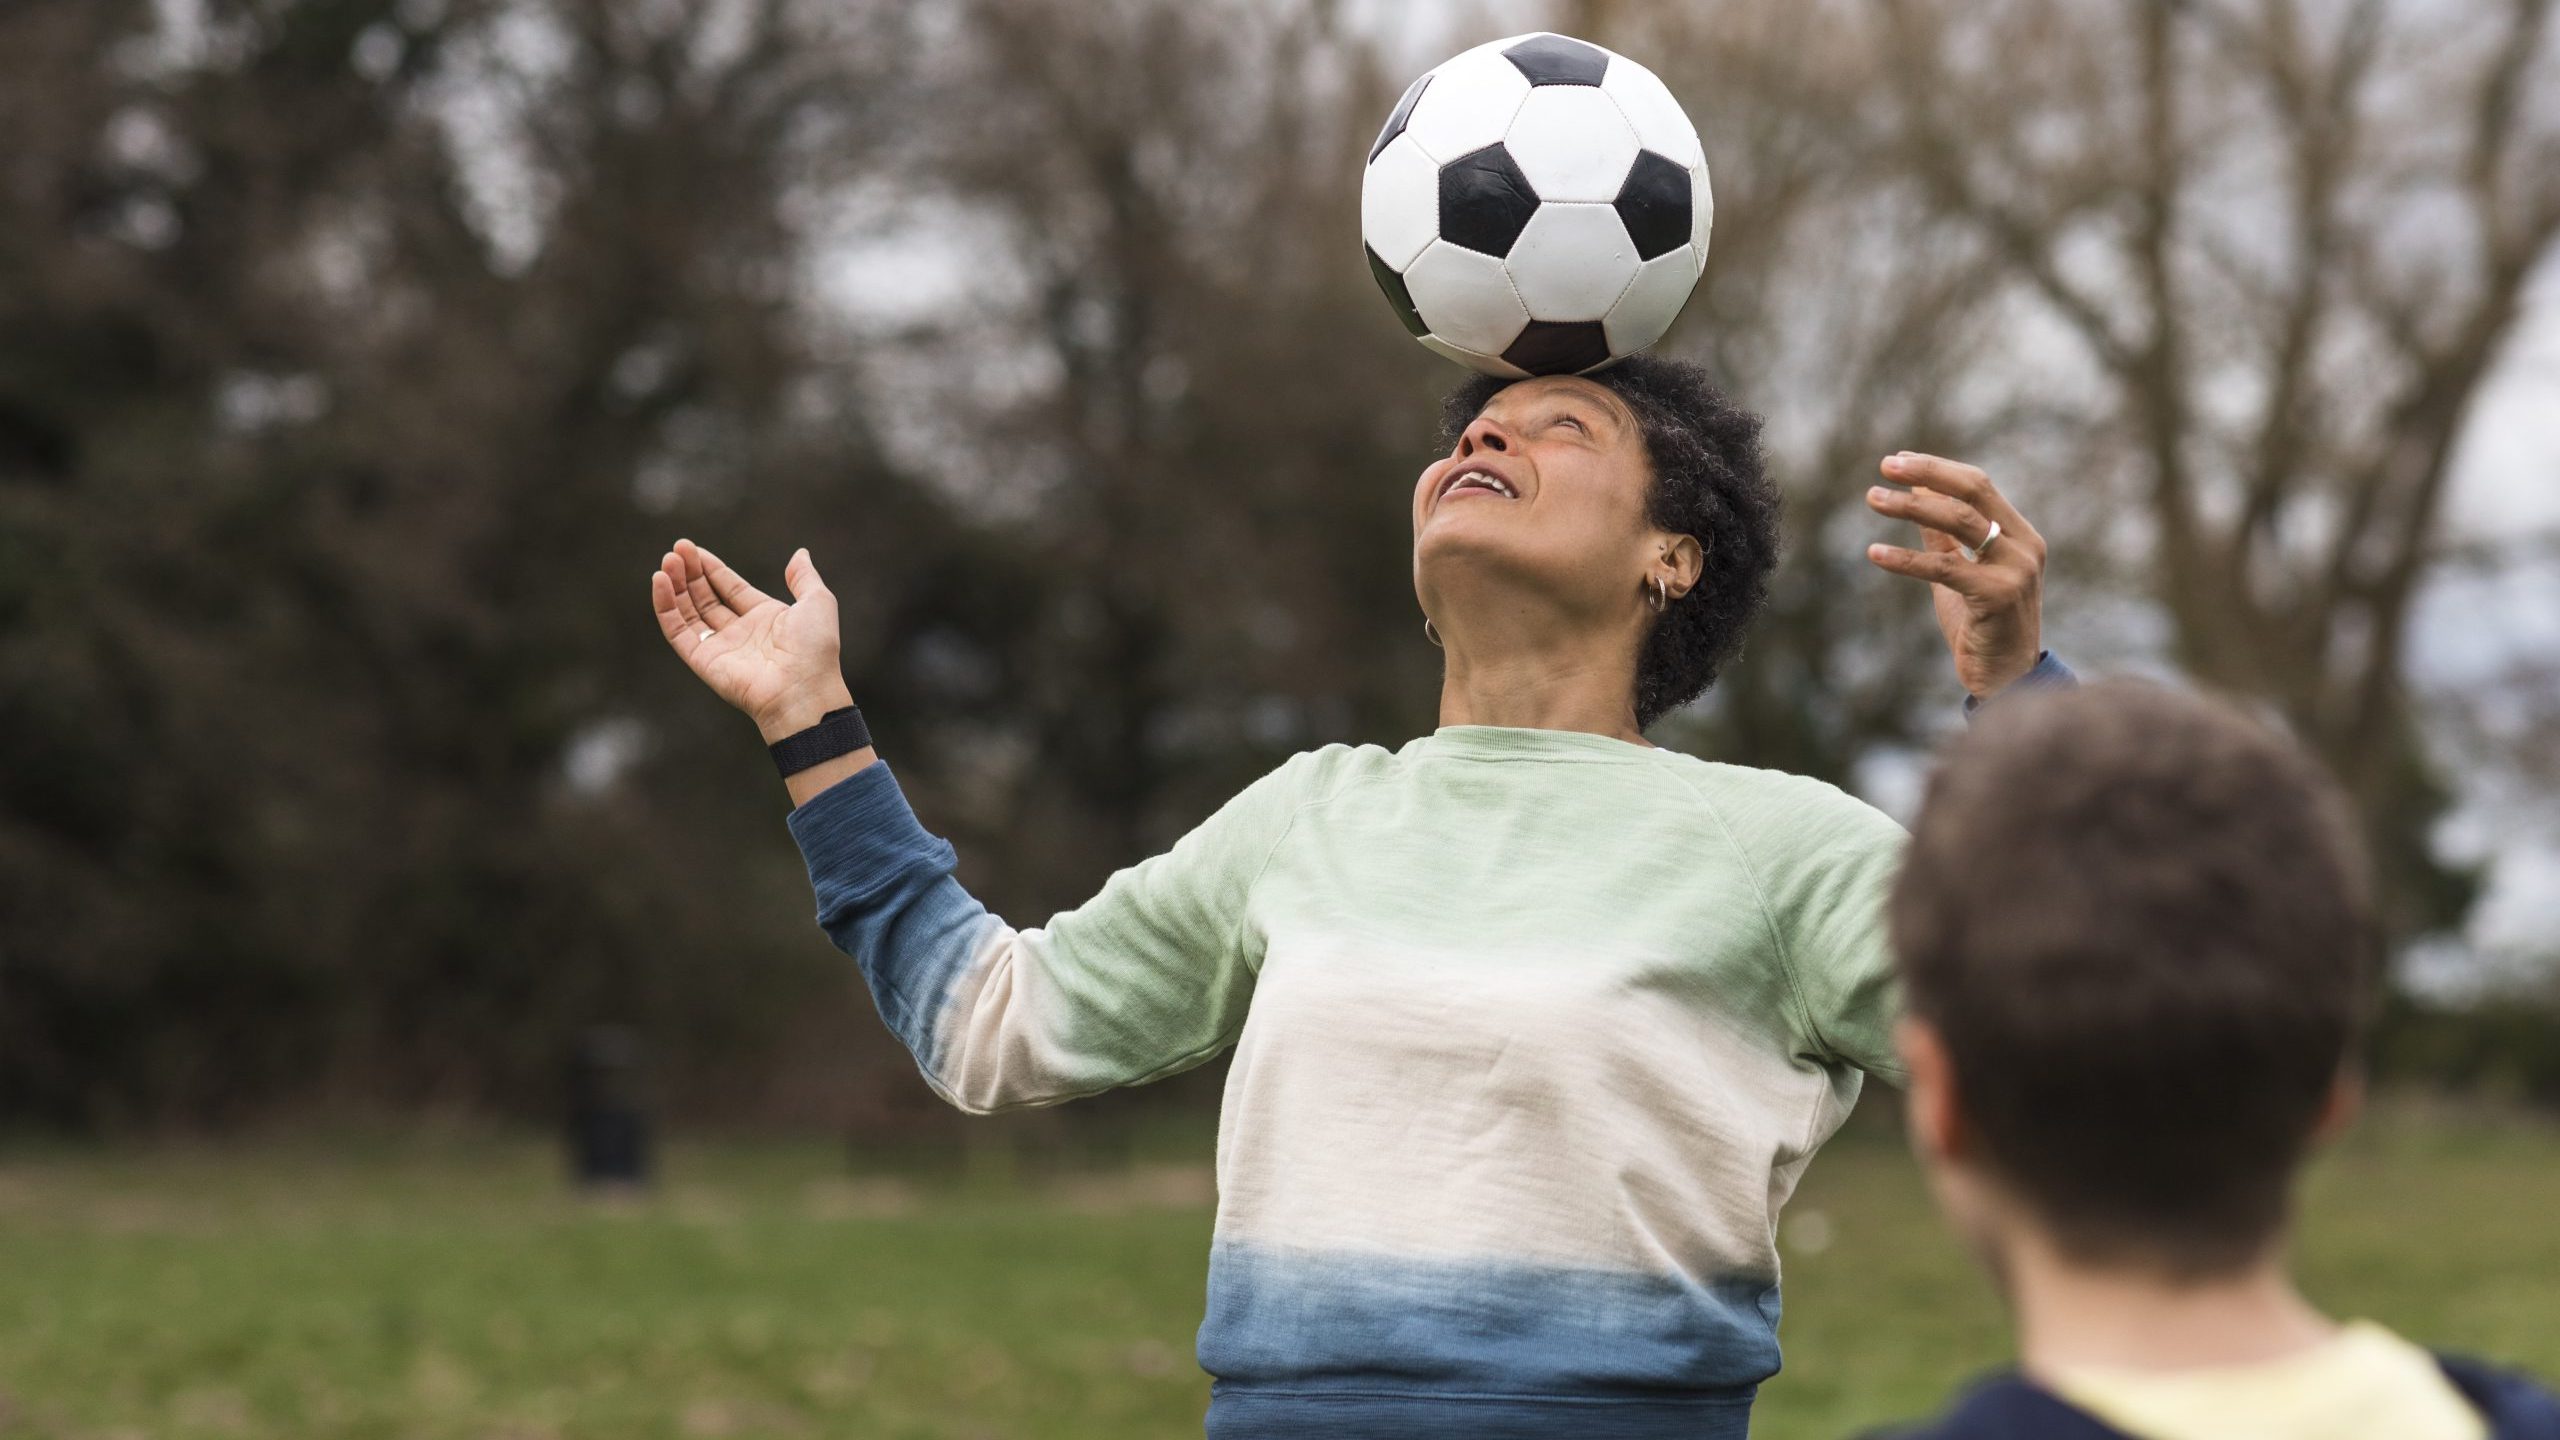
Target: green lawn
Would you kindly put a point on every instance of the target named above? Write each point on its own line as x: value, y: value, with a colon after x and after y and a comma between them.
x: 449, y: 1289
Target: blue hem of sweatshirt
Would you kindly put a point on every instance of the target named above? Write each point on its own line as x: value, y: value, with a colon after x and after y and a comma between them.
x: 1253, y: 1413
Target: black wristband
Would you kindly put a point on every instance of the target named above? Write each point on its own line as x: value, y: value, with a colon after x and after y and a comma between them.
x: 838, y: 732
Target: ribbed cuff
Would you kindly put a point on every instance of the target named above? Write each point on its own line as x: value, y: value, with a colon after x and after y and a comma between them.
x: 858, y: 835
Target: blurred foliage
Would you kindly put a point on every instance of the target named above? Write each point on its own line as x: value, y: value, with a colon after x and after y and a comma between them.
x: 358, y: 357
x: 2507, y: 1047
x: 327, y: 548
x: 357, y: 361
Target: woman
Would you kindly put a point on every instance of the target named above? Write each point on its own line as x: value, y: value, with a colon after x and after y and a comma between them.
x: 1535, y: 1024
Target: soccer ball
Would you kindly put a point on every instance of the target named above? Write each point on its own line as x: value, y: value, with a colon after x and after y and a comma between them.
x: 1536, y: 206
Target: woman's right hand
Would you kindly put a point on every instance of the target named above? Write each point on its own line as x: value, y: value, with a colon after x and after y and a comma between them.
x: 778, y: 663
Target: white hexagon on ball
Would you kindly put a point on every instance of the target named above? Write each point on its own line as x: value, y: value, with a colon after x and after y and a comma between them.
x: 1468, y: 104
x: 1660, y: 124
x: 1648, y: 307
x: 1572, y: 143
x: 1400, y: 203
x: 1573, y: 262
x: 1466, y: 298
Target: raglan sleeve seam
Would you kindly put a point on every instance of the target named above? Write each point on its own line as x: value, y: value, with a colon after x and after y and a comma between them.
x: 1768, y: 919
x: 1244, y: 909
x: 1298, y: 808
x: 1235, y: 943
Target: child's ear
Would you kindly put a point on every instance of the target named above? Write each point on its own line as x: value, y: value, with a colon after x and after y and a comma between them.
x: 2345, y: 1103
x: 1930, y: 1103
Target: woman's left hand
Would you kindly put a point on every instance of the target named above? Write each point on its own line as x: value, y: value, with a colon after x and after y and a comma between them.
x: 1990, y: 607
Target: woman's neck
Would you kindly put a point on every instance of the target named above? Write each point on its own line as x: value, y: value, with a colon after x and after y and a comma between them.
x: 1567, y: 684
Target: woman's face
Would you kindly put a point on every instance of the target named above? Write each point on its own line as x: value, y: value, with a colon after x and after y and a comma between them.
x: 1546, y: 489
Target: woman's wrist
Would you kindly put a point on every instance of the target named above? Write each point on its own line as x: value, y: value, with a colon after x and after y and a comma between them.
x: 802, y: 709
x: 809, y: 784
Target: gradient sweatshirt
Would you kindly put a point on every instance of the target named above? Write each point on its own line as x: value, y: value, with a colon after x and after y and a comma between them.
x: 1534, y: 1031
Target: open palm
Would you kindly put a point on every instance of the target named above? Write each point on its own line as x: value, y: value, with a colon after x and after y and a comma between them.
x: 779, y: 663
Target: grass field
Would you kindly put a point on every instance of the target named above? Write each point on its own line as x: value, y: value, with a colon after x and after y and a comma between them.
x: 449, y: 1289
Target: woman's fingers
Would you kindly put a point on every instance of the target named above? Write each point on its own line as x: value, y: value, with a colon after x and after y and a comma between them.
x: 1992, y: 623
x: 727, y: 585
x: 697, y: 584
x: 800, y: 572
x: 1964, y: 482
x: 1990, y: 585
x: 687, y: 609
x: 681, y: 633
x: 1948, y: 522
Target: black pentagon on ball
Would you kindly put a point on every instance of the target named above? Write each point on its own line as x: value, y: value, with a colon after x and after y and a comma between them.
x: 1485, y: 202
x: 1403, y: 112
x: 1559, y: 347
x: 1558, y: 60
x: 1398, y: 298
x: 1654, y: 203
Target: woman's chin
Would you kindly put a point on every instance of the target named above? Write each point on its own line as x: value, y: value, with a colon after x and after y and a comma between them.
x: 1470, y: 523
x: 1467, y: 544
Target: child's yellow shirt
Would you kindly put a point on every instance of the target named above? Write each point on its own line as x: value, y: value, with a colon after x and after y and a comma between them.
x: 2363, y: 1383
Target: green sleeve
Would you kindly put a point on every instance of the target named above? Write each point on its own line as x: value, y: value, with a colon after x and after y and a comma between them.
x: 1150, y: 976
x: 1153, y: 974
x: 1826, y: 864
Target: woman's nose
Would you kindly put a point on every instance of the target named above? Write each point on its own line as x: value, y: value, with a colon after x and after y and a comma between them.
x: 1483, y: 434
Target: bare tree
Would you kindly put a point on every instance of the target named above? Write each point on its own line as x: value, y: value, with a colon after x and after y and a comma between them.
x: 2278, y: 247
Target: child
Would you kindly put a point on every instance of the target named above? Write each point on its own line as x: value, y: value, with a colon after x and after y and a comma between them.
x: 2136, y: 943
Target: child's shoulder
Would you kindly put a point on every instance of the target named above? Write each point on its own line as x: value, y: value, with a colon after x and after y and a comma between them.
x: 2516, y: 1406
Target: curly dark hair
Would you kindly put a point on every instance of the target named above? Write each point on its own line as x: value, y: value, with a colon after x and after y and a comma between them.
x: 1707, y: 482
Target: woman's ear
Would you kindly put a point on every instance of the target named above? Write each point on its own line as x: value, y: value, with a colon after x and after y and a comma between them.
x: 1687, y: 559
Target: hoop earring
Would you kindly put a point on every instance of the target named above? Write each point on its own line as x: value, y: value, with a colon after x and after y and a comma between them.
x: 1430, y: 634
x: 1657, y: 593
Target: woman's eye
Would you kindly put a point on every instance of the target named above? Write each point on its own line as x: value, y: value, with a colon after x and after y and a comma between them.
x: 1576, y: 424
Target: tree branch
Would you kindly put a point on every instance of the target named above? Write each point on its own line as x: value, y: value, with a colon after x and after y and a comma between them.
x: 2320, y: 113
x: 1940, y: 163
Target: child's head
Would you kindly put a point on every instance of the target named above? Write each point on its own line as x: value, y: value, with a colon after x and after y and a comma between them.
x: 2135, y: 935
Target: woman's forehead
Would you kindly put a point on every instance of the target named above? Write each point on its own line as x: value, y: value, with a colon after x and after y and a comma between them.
x: 1522, y: 393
